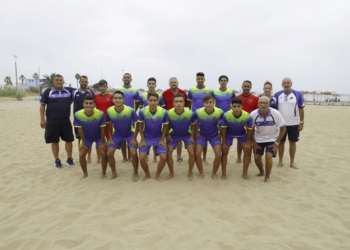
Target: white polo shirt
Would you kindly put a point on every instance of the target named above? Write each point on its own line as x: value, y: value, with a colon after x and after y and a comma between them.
x: 288, y: 106
x: 267, y: 129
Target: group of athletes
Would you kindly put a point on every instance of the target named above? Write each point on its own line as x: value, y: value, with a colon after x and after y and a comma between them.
x: 168, y: 120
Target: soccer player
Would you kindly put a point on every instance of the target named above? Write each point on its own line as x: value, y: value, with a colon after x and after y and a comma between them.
x: 195, y: 100
x: 223, y: 95
x: 208, y: 119
x: 270, y: 128
x: 168, y: 96
x: 57, y: 100
x: 181, y: 126
x: 250, y: 103
x: 123, y: 118
x: 91, y: 124
x: 288, y: 102
x: 104, y: 100
x: 153, y: 126
x: 132, y: 99
x: 233, y: 125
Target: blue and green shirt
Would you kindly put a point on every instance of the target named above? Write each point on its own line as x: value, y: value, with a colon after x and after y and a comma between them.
x: 131, y: 95
x: 91, y: 124
x: 223, y: 98
x: 180, y: 125
x: 236, y: 125
x: 208, y: 123
x: 144, y: 103
x: 122, y: 121
x: 196, y: 95
x: 153, y: 123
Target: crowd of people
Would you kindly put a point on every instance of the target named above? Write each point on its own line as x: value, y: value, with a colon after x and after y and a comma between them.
x: 261, y: 124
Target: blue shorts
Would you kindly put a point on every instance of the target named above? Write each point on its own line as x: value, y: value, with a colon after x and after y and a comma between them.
x: 264, y: 145
x: 203, y: 141
x: 153, y: 142
x: 97, y: 140
x: 229, y: 139
x: 117, y: 140
x: 176, y: 139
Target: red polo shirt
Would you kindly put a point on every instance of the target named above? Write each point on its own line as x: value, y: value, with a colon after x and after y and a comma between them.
x: 169, y: 98
x: 250, y: 102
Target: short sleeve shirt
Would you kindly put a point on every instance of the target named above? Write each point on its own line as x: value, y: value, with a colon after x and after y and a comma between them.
x: 153, y: 123
x: 267, y: 128
x: 180, y: 124
x: 236, y: 125
x: 122, y: 121
x: 169, y: 98
x: 144, y: 103
x: 250, y: 102
x: 209, y: 123
x: 78, y: 98
x: 223, y: 98
x: 131, y: 95
x: 196, y: 95
x: 104, y: 102
x: 91, y: 124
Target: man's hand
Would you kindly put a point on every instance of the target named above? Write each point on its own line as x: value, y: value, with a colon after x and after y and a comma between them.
x: 103, y: 146
x: 275, y: 147
x: 134, y: 141
x: 301, y: 126
x: 91, y: 90
x: 168, y: 138
x: 110, y: 142
x: 192, y: 139
x: 142, y: 143
x: 83, y: 146
x: 218, y: 136
x: 43, y: 123
x: 163, y: 143
x: 255, y: 147
x: 224, y: 146
x: 247, y: 146
x: 198, y: 135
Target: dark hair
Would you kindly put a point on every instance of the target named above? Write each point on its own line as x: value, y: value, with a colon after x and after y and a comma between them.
x: 127, y: 74
x: 200, y: 74
x: 151, y: 79
x: 83, y: 76
x: 88, y: 98
x: 247, y: 81
x: 58, y: 75
x: 118, y: 92
x: 267, y: 82
x: 179, y: 95
x: 102, y: 82
x: 223, y: 76
x: 236, y: 100
x: 152, y: 94
x: 207, y: 97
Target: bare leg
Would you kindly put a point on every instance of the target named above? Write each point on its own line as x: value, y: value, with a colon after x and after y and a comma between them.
x: 205, y: 154
x: 98, y: 155
x: 191, y: 160
x: 89, y: 156
x: 246, y: 161
x: 239, y: 152
x: 155, y: 155
x: 55, y: 147
x: 292, y: 151
x: 144, y: 165
x: 123, y: 148
x: 179, y: 149
x: 259, y: 164
x: 224, y: 162
x: 135, y: 164
x: 170, y: 162
x: 280, y: 153
x: 198, y: 152
x: 69, y: 149
x: 82, y: 161
x: 129, y: 155
x: 111, y: 161
x: 103, y: 155
x: 268, y: 166
x: 161, y: 165
x: 217, y: 160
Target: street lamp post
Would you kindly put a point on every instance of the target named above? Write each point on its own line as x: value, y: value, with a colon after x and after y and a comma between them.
x: 16, y: 76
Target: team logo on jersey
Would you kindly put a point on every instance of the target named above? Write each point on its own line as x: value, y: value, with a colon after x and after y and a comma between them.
x: 131, y: 92
x: 214, y: 118
x: 228, y: 94
x: 65, y: 95
x: 125, y: 116
x: 107, y: 99
x: 242, y: 122
x: 291, y: 97
x: 95, y: 120
x: 185, y: 119
x: 78, y: 95
x: 271, y: 123
x: 158, y: 118
x: 250, y: 100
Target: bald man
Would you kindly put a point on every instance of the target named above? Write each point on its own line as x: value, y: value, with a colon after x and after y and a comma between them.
x: 269, y: 130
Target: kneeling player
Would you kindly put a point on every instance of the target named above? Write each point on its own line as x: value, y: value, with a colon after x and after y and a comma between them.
x: 122, y: 117
x: 208, y: 118
x: 153, y: 126
x: 180, y: 120
x: 233, y: 126
x: 90, y: 123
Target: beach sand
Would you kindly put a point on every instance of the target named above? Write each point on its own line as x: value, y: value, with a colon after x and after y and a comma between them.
x: 45, y: 208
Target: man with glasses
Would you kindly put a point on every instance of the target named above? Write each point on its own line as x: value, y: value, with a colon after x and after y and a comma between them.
x: 289, y: 103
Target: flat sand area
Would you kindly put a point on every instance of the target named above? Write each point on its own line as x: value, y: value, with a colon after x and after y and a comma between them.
x: 45, y: 208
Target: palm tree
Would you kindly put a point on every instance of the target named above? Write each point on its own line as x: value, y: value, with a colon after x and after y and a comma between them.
x: 22, y: 78
x: 8, y: 80
x: 77, y: 76
x: 48, y: 80
x: 36, y: 76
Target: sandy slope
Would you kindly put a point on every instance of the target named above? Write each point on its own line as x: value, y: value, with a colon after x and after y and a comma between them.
x: 45, y: 208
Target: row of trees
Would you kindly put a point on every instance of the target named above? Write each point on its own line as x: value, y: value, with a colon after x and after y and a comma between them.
x: 8, y: 81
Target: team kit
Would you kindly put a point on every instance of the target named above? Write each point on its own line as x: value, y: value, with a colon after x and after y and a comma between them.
x: 165, y: 122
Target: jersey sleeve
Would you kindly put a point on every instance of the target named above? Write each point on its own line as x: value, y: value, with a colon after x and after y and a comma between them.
x: 77, y: 122
x: 189, y: 97
x: 276, y: 99
x: 279, y: 120
x: 102, y: 119
x: 224, y: 122
x: 141, y: 118
x: 300, y: 100
x: 193, y: 119
x: 137, y: 96
x: 161, y: 101
x: 134, y: 116
x: 45, y: 97
x: 186, y: 100
x: 249, y: 122
x: 108, y: 119
x: 165, y: 118
x: 141, y: 101
x: 73, y: 95
x: 256, y: 103
x: 233, y: 94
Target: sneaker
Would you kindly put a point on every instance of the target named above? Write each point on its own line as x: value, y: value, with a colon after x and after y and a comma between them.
x: 58, y: 164
x: 70, y: 162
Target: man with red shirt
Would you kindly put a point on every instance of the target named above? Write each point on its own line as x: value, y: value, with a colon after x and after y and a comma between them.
x: 168, y: 96
x: 250, y: 103
x: 103, y: 102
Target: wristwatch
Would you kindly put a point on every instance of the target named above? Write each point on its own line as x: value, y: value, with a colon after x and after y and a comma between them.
x: 277, y: 143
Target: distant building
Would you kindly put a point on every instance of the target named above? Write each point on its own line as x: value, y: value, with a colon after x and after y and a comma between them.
x: 34, y: 82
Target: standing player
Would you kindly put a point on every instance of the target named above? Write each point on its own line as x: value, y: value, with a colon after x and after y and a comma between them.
x: 104, y: 100
x: 181, y: 126
x: 123, y: 118
x: 223, y: 95
x: 91, y: 124
x: 234, y: 124
x: 268, y: 93
x: 195, y: 100
x: 288, y: 102
x: 132, y: 99
x: 153, y: 126
x: 270, y: 128
x: 250, y: 103
x: 208, y: 119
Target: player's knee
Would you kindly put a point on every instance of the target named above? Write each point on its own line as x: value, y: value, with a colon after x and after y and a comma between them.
x: 198, y: 153
x: 110, y: 154
x: 191, y: 153
x: 143, y: 157
x: 218, y: 154
x: 268, y: 156
x: 102, y: 152
x: 82, y: 153
x: 257, y: 157
x: 225, y: 152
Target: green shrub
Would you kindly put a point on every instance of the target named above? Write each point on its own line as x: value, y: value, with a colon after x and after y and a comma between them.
x: 33, y: 89
x: 10, y: 92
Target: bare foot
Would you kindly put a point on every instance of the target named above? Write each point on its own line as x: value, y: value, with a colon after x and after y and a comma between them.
x: 267, y: 180
x: 103, y: 176
x: 190, y: 177
x: 245, y: 176
x: 169, y: 177
x: 201, y: 176
x: 124, y: 160
x: 280, y: 164
x: 89, y: 160
x: 223, y: 177
x: 113, y: 176
x: 135, y: 177
x: 83, y: 177
x: 214, y: 176
x: 158, y: 178
x: 146, y: 178
x: 205, y: 161
x: 238, y: 160
x: 155, y: 160
x: 260, y: 174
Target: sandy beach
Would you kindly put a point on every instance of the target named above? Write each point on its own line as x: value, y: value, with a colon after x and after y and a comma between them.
x: 45, y: 208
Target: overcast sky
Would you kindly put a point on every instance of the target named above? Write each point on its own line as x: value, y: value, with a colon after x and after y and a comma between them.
x: 308, y: 41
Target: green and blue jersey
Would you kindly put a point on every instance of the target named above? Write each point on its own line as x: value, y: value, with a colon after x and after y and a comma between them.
x: 144, y: 103
x: 196, y: 95
x: 122, y: 121
x: 223, y: 98
x: 91, y: 124
x: 236, y: 125
x: 180, y: 124
x: 209, y: 123
x: 131, y: 96
x: 153, y: 122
